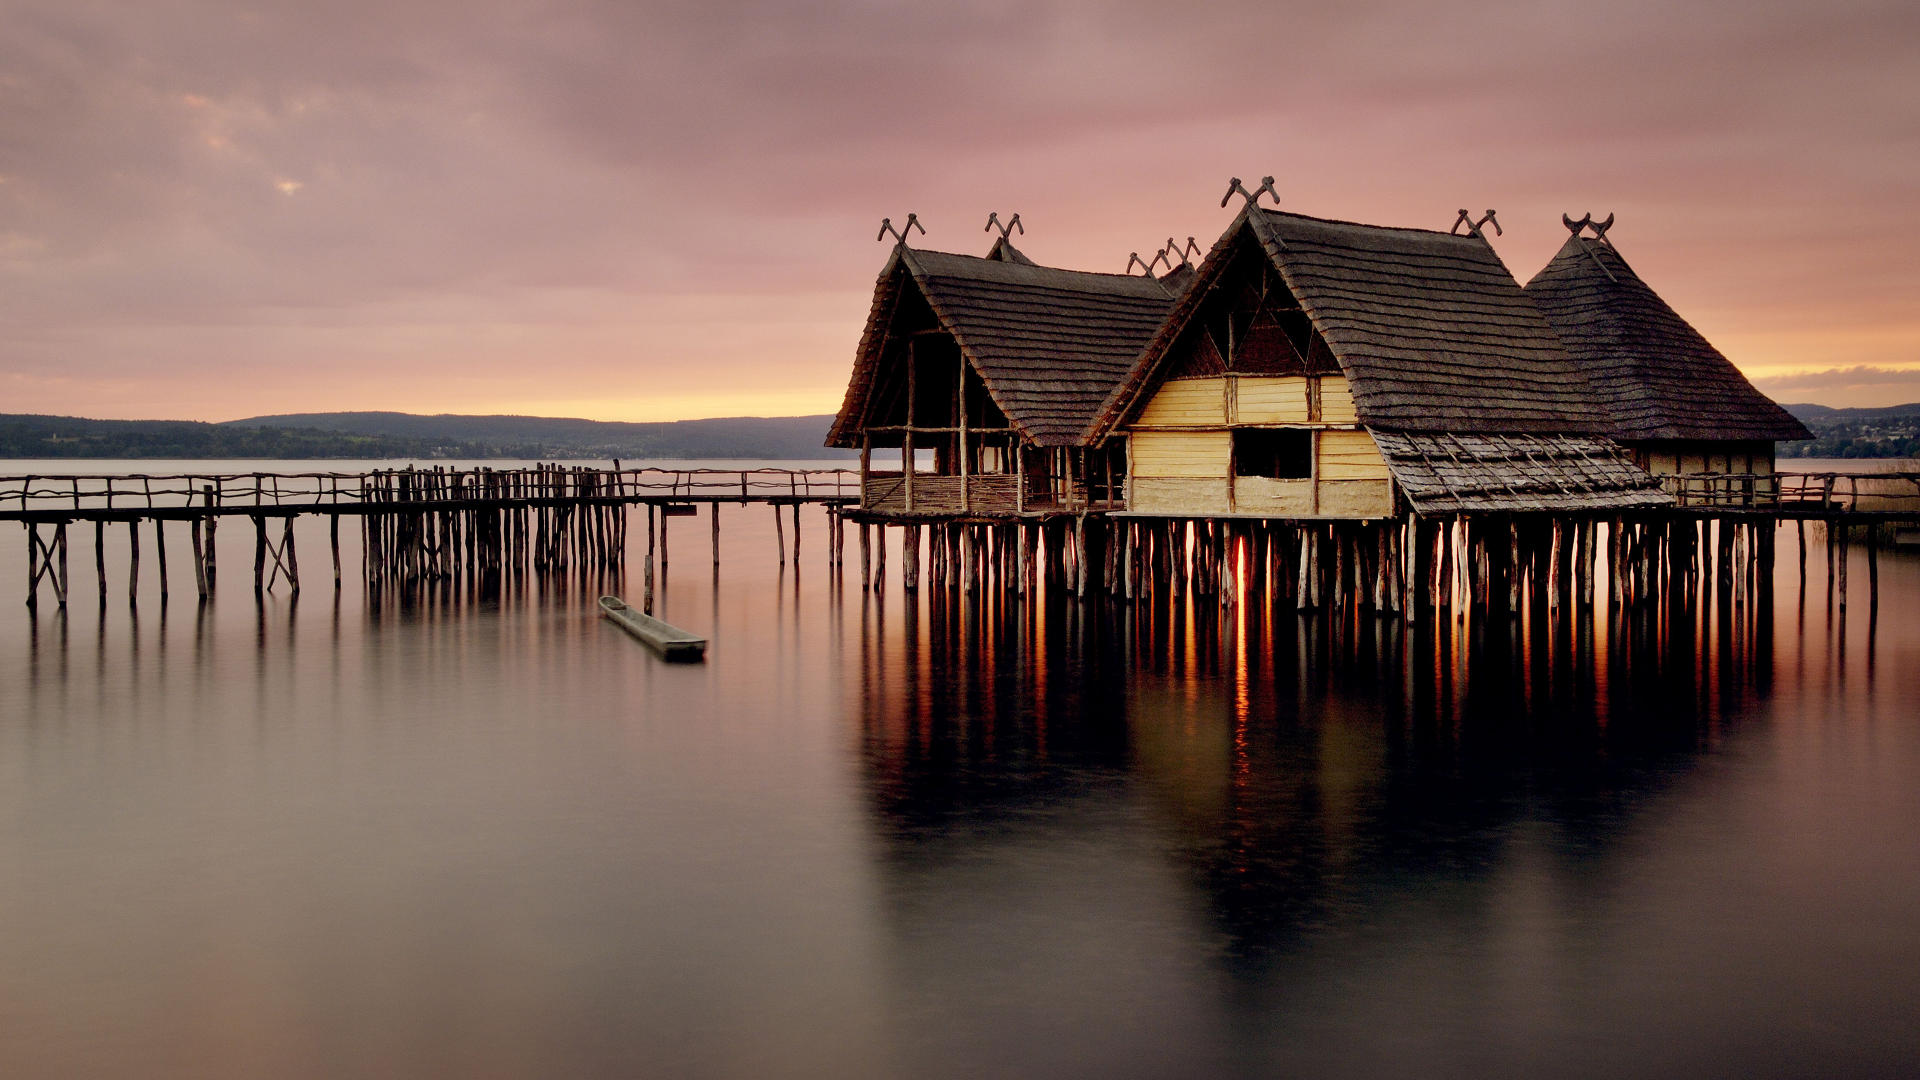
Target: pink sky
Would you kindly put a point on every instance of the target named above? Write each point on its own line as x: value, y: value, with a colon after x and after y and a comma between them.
x: 641, y: 211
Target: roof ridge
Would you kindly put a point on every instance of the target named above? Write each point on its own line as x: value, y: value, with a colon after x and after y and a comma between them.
x: 1275, y: 212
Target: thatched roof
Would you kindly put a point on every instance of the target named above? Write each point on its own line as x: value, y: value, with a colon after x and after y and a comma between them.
x: 1655, y: 376
x: 1450, y: 474
x: 1430, y: 329
x: 1048, y: 344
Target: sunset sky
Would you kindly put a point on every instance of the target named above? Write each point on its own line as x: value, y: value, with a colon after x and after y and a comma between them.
x: 635, y: 210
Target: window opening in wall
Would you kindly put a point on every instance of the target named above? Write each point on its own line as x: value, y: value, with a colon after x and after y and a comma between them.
x: 1277, y: 453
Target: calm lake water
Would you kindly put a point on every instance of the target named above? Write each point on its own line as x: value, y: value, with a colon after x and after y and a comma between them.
x: 888, y: 837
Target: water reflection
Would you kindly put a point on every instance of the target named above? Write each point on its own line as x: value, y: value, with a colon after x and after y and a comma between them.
x: 1305, y: 770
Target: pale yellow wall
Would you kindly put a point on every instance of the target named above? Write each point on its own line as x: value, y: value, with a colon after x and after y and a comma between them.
x: 1245, y: 399
x: 1181, y: 453
x: 1186, y: 403
x: 1186, y: 472
x: 1336, y: 401
x: 1349, y: 455
x: 1269, y: 399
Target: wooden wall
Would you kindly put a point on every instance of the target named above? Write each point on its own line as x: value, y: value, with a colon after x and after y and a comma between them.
x: 1739, y: 457
x: 1181, y: 450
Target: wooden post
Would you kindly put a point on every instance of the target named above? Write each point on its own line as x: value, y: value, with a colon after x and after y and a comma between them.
x: 333, y: 541
x: 866, y: 558
x: 910, y: 558
x: 1872, y: 565
x: 33, y: 564
x: 200, y: 560
x: 100, y: 558
x: 1800, y: 530
x: 880, y: 559
x: 960, y: 411
x: 287, y: 551
x: 133, y: 567
x: 1846, y: 541
x: 60, y: 541
x: 796, y: 536
x: 714, y: 509
x: 780, y: 534
x: 160, y: 554
x: 646, y: 596
x: 209, y: 498
x: 906, y: 439
x: 1080, y: 555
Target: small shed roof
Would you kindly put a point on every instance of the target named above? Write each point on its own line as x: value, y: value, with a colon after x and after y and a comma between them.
x: 1430, y: 329
x: 1451, y: 474
x: 1656, y: 377
x: 1048, y: 344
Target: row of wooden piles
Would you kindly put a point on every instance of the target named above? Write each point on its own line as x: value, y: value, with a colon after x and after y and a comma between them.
x: 1477, y: 562
x: 483, y: 525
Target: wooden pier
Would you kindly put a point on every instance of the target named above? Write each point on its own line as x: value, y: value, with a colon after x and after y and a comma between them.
x: 436, y: 525
x: 417, y: 525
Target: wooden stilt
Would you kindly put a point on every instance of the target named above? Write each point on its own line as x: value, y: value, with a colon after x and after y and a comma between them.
x: 200, y: 559
x: 160, y: 554
x: 910, y: 558
x: 780, y: 534
x: 133, y: 564
x: 866, y: 558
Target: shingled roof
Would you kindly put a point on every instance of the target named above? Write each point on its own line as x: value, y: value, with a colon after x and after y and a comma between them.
x: 1451, y: 474
x: 1430, y: 329
x: 1048, y: 344
x: 1656, y: 377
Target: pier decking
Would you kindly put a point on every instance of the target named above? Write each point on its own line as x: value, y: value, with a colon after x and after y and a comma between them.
x: 462, y: 525
x: 416, y: 524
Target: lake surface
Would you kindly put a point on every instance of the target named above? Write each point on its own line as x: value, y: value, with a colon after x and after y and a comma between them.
x: 880, y: 836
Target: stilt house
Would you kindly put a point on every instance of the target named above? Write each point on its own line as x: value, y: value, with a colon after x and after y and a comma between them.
x: 1671, y: 398
x: 998, y: 366
x: 1320, y: 369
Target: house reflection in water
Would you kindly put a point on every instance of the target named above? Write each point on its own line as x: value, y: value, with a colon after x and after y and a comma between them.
x: 1270, y: 781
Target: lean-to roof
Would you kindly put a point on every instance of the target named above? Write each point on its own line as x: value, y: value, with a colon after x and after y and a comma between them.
x: 1655, y: 376
x: 1430, y: 329
x: 1451, y: 474
x: 1048, y: 344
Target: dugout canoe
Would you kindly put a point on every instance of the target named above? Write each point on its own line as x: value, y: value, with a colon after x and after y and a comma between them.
x: 666, y: 639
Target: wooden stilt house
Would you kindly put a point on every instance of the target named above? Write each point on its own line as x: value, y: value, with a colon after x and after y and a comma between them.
x: 1669, y: 396
x: 1321, y: 369
x: 997, y: 366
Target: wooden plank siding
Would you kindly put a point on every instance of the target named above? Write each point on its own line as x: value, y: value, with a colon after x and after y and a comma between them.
x: 1276, y: 399
x: 1187, y: 403
x: 1181, y: 450
x: 1348, y: 455
x: 1182, y: 453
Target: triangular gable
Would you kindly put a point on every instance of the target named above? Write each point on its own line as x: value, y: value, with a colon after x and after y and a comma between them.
x: 1048, y: 344
x: 1431, y: 331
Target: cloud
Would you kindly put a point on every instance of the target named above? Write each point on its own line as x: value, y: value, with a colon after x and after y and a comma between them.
x: 1861, y: 385
x: 191, y: 186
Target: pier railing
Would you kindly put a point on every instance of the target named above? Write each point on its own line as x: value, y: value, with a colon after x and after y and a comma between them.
x: 1816, y: 491
x: 27, y: 493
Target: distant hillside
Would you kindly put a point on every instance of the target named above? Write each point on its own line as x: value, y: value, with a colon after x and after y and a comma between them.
x: 30, y: 436
x: 402, y: 435
x: 1887, y: 431
x: 557, y: 437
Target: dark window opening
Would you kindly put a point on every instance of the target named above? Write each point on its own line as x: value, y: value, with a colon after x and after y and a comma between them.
x: 1277, y: 453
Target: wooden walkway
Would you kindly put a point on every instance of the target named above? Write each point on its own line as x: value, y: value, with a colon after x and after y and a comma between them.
x: 416, y: 524
x: 443, y: 525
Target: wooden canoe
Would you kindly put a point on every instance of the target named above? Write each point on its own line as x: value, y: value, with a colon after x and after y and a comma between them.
x: 666, y: 639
